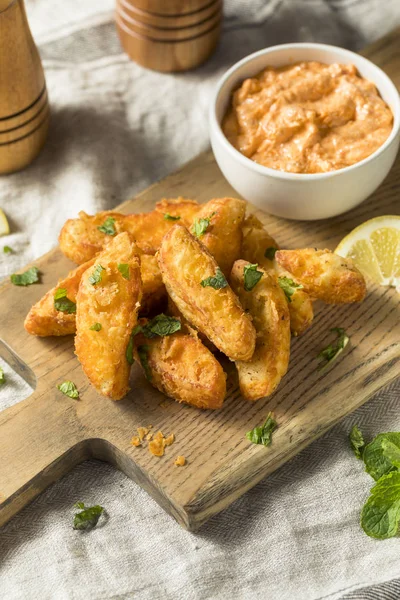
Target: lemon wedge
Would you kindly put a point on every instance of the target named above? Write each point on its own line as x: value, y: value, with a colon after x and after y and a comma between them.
x: 4, y: 226
x: 374, y: 247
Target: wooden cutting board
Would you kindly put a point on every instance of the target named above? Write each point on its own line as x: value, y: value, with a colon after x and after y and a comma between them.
x: 47, y: 434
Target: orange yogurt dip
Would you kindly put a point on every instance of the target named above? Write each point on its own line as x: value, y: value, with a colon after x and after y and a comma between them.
x: 307, y: 118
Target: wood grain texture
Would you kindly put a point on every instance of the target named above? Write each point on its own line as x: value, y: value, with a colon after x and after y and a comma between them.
x: 24, y: 108
x: 47, y: 434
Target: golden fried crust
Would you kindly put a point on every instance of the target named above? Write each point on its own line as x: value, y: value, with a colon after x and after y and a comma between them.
x: 256, y: 240
x: 184, y: 263
x: 301, y: 312
x: 43, y: 319
x: 80, y: 239
x: 267, y: 305
x: 223, y: 236
x: 113, y: 302
x: 324, y: 275
x: 182, y: 368
x: 154, y: 292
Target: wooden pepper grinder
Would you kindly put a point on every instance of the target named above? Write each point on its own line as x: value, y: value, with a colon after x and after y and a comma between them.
x: 169, y: 35
x: 24, y: 109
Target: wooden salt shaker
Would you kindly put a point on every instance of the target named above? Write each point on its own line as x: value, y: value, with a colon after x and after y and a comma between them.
x: 24, y: 109
x: 169, y: 35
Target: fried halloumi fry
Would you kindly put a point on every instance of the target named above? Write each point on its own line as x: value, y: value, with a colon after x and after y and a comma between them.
x: 44, y: 319
x: 267, y: 305
x: 154, y: 292
x: 324, y: 275
x: 181, y: 367
x: 258, y: 247
x: 108, y: 301
x: 223, y: 234
x: 80, y: 239
x: 185, y: 263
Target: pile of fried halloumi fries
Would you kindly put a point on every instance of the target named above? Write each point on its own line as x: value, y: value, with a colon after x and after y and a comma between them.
x: 173, y: 288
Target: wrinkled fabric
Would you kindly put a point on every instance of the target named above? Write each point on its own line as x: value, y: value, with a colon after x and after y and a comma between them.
x: 116, y: 128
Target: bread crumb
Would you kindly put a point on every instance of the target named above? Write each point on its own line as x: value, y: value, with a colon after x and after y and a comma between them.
x: 170, y: 440
x: 180, y: 461
x: 142, y: 432
x: 148, y: 437
x: 158, y: 443
x: 135, y: 441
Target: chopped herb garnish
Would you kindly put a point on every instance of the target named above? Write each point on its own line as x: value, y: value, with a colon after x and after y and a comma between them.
x: 2, y: 376
x: 357, y: 441
x: 169, y: 217
x: 69, y: 389
x: 143, y: 353
x: 262, y: 435
x: 62, y: 303
x: 200, y: 226
x: 123, y: 268
x: 270, y: 253
x: 108, y: 226
x: 289, y: 286
x: 8, y: 250
x: 129, y: 348
x: 251, y: 277
x: 95, y: 277
x: 217, y: 282
x: 331, y: 352
x: 30, y: 276
x: 96, y: 327
x: 88, y: 517
x: 161, y: 325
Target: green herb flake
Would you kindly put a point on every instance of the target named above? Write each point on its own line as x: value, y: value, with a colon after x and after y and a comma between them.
x: 381, y: 513
x: 95, y: 277
x: 169, y: 217
x: 30, y: 276
x: 2, y: 376
x: 88, y: 517
x: 217, y: 282
x: 270, y: 253
x: 251, y: 277
x: 96, y: 327
x: 143, y: 353
x: 62, y: 303
x: 161, y: 325
x: 123, y: 268
x: 8, y: 250
x: 331, y: 352
x: 200, y: 226
x: 289, y: 286
x: 377, y: 454
x: 357, y: 441
x: 69, y: 389
x: 108, y: 226
x: 263, y: 435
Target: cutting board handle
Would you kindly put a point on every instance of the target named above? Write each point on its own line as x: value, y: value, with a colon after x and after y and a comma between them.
x: 31, y: 456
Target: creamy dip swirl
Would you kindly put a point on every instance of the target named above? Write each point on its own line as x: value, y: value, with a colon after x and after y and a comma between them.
x: 307, y: 118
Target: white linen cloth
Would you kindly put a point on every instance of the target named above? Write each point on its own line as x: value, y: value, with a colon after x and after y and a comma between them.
x: 117, y: 128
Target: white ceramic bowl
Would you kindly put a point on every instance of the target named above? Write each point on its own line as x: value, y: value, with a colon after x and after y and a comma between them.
x: 293, y: 195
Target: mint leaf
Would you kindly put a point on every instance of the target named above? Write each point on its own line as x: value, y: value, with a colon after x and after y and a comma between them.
x: 356, y: 441
x: 270, y: 253
x: 8, y: 250
x: 200, y: 226
x: 143, y: 353
x: 2, y: 376
x: 262, y: 435
x: 96, y: 327
x: 161, y: 325
x: 62, y: 303
x: 169, y: 217
x: 123, y: 268
x: 332, y: 351
x: 289, y: 286
x: 251, y: 277
x: 376, y: 456
x: 95, y: 277
x: 30, y: 276
x: 217, y: 282
x: 391, y: 452
x: 108, y: 226
x: 381, y: 513
x: 69, y: 389
x: 88, y: 517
